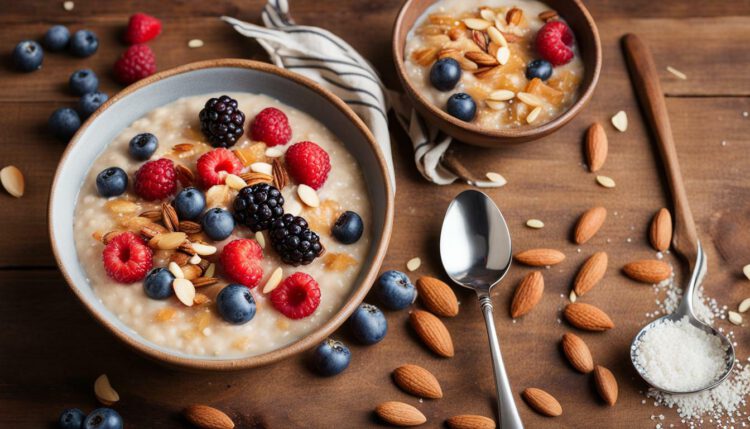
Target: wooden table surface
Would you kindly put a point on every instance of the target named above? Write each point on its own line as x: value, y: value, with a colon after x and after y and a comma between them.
x: 51, y: 350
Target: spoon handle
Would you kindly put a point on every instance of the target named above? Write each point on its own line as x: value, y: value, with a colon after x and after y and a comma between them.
x: 646, y: 82
x: 506, y: 405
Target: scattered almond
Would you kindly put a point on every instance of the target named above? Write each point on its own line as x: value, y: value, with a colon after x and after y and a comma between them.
x: 400, y: 414
x: 104, y: 392
x: 648, y: 270
x: 734, y: 317
x: 535, y: 223
x: 432, y: 332
x: 308, y: 195
x: 590, y: 273
x: 503, y: 55
x: 413, y: 264
x: 542, y: 402
x: 540, y: 257
x: 417, y: 381
x: 596, y: 146
x: 530, y: 99
x: 468, y: 421
x: 496, y: 177
x: 587, y: 317
x: 606, y: 384
x: 476, y: 24
x: 437, y: 296
x: 204, y: 249
x: 746, y: 271
x: 589, y: 224
x: 548, y: 15
x: 184, y: 290
x: 195, y: 43
x: 620, y: 121
x: 533, y: 115
x: 660, y: 233
x: 273, y: 280
x: 206, y: 417
x: 528, y: 294
x: 676, y: 72
x: 744, y: 305
x: 572, y: 296
x: 168, y: 241
x: 578, y: 353
x: 605, y: 181
x: 12, y: 180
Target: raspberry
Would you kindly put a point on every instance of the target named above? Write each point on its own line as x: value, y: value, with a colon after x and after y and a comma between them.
x: 241, y: 261
x: 308, y: 163
x: 127, y: 258
x: 211, y: 164
x: 553, y: 42
x: 142, y: 28
x: 271, y: 126
x: 156, y: 180
x: 136, y: 62
x: 297, y: 296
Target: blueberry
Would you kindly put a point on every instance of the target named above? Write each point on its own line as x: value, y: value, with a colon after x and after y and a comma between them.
x: 368, y: 324
x: 539, y: 68
x: 331, y: 357
x: 236, y: 304
x: 83, y: 43
x: 90, y: 102
x: 56, y: 38
x: 72, y: 418
x: 348, y: 227
x: 142, y: 146
x: 218, y: 224
x: 158, y: 283
x: 189, y: 203
x: 103, y: 418
x: 28, y: 56
x: 64, y: 122
x: 445, y: 74
x: 111, y: 182
x: 395, y: 290
x: 462, y: 106
x: 83, y: 81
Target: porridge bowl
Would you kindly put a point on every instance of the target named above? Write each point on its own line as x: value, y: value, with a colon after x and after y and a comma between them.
x: 497, y: 72
x: 221, y: 215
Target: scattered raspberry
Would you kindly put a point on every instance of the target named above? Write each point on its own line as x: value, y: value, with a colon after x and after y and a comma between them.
x: 127, y: 258
x: 136, y: 62
x: 156, y: 180
x: 142, y: 28
x: 297, y: 296
x: 271, y: 126
x: 308, y: 163
x: 219, y: 160
x: 241, y: 261
x: 553, y: 42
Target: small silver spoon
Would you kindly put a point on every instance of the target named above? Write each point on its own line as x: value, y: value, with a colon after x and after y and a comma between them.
x: 476, y: 253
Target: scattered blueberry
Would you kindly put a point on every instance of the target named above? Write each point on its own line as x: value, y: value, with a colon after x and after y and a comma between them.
x: 445, y: 74
x: 158, y: 284
x: 83, y: 81
x: 189, y: 203
x: 462, y: 106
x: 103, y: 418
x: 395, y: 290
x: 331, y: 357
x: 64, y: 122
x: 56, y: 38
x: 111, y: 182
x: 72, y: 418
x: 28, y: 56
x: 218, y: 224
x: 142, y: 146
x: 83, y: 43
x: 348, y: 227
x: 539, y: 68
x: 90, y: 102
x: 236, y: 304
x: 368, y: 324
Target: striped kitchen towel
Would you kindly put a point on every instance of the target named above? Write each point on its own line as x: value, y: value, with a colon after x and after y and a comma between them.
x: 328, y: 60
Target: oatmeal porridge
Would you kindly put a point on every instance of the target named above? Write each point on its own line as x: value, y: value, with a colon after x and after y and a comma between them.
x: 223, y: 225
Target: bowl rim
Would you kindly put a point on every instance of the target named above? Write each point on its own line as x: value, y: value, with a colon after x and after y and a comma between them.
x: 522, y: 134
x: 304, y: 343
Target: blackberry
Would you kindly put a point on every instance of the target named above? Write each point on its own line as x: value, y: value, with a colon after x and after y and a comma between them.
x: 293, y: 240
x: 221, y: 121
x: 258, y: 206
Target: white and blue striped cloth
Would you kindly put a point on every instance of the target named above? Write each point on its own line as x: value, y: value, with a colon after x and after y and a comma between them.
x: 325, y: 58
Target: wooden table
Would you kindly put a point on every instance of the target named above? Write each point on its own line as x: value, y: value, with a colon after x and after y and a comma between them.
x: 51, y: 350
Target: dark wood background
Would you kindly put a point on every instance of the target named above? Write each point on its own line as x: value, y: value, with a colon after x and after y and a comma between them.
x: 51, y: 350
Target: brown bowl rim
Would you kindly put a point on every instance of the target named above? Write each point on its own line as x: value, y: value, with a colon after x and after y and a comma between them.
x: 306, y: 342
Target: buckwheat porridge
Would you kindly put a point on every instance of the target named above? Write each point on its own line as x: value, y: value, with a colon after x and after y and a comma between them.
x: 223, y: 225
x: 496, y: 63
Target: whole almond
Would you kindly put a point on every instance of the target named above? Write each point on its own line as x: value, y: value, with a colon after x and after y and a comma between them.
x: 12, y: 180
x: 104, y: 392
x: 661, y: 230
x: 432, y: 332
x: 468, y: 421
x: 542, y: 402
x: 540, y: 257
x: 400, y: 414
x: 206, y: 417
x: 606, y: 384
x: 589, y: 224
x: 587, y: 317
x: 437, y: 296
x: 418, y: 381
x: 590, y: 273
x: 481, y: 58
x: 577, y: 352
x: 596, y: 146
x: 527, y: 295
x: 648, y: 270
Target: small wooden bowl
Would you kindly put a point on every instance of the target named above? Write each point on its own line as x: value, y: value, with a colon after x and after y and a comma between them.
x: 587, y: 37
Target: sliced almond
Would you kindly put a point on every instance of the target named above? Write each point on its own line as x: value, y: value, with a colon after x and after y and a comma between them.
x: 496, y: 36
x: 620, y: 121
x: 487, y: 14
x: 273, y: 280
x: 513, y: 16
x: 535, y: 224
x: 530, y: 99
x: 12, y: 180
x: 477, y: 24
x: 261, y: 239
x: 734, y: 317
x: 185, y: 291
x: 573, y: 297
x: 503, y: 55
x: 176, y: 270
x: 235, y: 182
x: 262, y: 167
x: 195, y: 43
x: 192, y: 272
x: 605, y: 181
x: 274, y: 152
x: 104, y: 392
x: 533, y: 115
x: 210, y: 271
x: 425, y: 56
x: 203, y: 282
x: 494, y: 104
x: 744, y: 305
x: 746, y: 271
x: 120, y: 206
x: 501, y: 95
x: 413, y: 264
x: 548, y: 15
x: 676, y: 72
x: 204, y: 249
x: 496, y: 177
x: 217, y: 195
x: 308, y: 195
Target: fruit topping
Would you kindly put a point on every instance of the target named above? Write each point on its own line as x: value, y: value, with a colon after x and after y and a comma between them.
x: 395, y: 291
x: 271, y: 126
x: 236, y: 304
x: 308, y: 163
x: 541, y: 69
x: 331, y: 357
x: 84, y: 43
x: 189, y: 203
x: 136, y: 63
x: 294, y: 241
x: 222, y: 121
x: 445, y: 74
x: 127, y: 258
x: 158, y: 284
x: 156, y: 180
x: 143, y: 146
x: 241, y: 261
x: 368, y: 324
x: 554, y: 41
x: 83, y: 81
x: 142, y: 28
x: 348, y: 228
x: 258, y: 206
x: 297, y: 296
x: 218, y: 224
x: 462, y: 106
x: 213, y: 166
x: 111, y: 182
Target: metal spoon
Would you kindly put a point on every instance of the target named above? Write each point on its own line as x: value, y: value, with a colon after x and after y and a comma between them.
x: 476, y: 254
x: 685, y: 239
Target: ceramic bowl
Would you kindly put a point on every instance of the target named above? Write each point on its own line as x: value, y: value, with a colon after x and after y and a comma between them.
x: 228, y: 75
x: 587, y: 37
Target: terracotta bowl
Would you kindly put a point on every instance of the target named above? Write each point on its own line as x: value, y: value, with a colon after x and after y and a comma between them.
x: 228, y: 75
x: 587, y: 37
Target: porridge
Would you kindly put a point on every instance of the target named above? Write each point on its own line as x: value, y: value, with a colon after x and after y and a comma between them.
x: 496, y: 63
x: 206, y: 229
